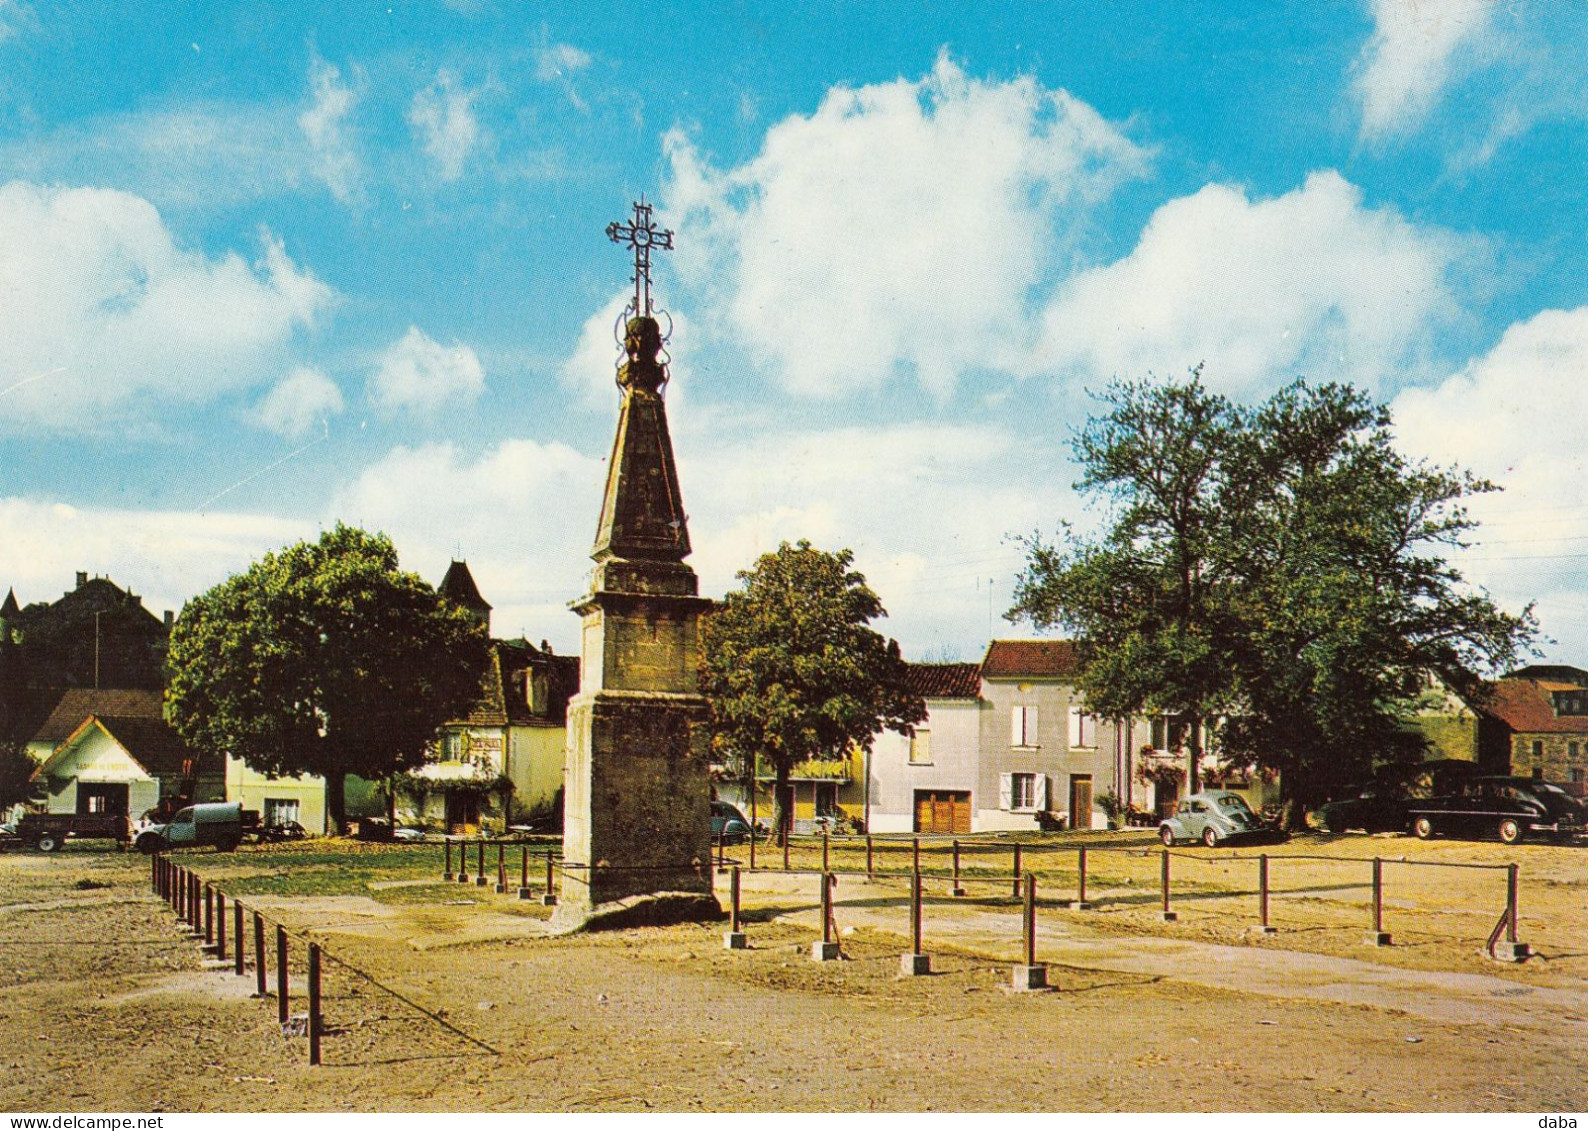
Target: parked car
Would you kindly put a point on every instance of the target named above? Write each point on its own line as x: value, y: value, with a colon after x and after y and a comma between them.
x: 275, y: 834
x: 1510, y: 808
x: 1213, y: 817
x: 1379, y: 808
x: 48, y: 831
x: 407, y: 834
x: 728, y: 823
x: 217, y: 823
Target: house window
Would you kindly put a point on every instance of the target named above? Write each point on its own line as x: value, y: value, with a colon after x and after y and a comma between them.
x: 1160, y: 733
x: 1538, y: 748
x: 1083, y: 728
x: 1023, y: 728
x: 1578, y: 775
x: 452, y: 746
x: 921, y: 748
x: 1023, y: 792
x: 1573, y: 749
x: 281, y: 811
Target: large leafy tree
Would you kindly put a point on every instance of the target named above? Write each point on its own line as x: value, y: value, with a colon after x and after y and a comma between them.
x: 16, y: 772
x: 1281, y: 567
x: 1148, y: 597
x: 795, y: 671
x: 324, y: 658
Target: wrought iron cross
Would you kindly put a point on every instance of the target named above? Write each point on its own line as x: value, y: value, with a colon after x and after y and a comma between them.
x: 642, y: 235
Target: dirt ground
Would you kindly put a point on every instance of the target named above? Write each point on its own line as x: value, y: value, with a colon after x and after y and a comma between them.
x: 105, y: 1004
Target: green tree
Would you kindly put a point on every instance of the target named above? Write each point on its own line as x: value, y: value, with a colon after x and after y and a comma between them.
x: 324, y: 658
x: 1147, y: 598
x: 793, y: 669
x: 16, y: 768
x: 1281, y: 568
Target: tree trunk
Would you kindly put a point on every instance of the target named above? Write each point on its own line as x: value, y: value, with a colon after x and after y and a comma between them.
x: 783, y: 805
x: 336, y: 802
x: 391, y: 802
x: 1193, y: 779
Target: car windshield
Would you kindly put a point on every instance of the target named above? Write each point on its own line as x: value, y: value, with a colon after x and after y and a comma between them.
x: 1232, y: 804
x: 1548, y: 787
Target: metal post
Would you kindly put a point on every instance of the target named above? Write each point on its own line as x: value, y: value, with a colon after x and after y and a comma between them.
x: 1163, y: 882
x: 209, y: 915
x: 959, y: 888
x: 827, y: 908
x: 1016, y: 873
x: 1262, y: 888
x: 915, y: 856
x: 755, y: 832
x: 195, y: 905
x: 220, y: 925
x: 314, y: 1003
x: 154, y: 872
x: 824, y: 850
x: 733, y: 901
x: 479, y: 880
x: 1029, y: 921
x: 239, y: 944
x: 549, y: 899
x: 1510, y: 903
x: 785, y: 845
x: 915, y: 913
x: 722, y: 850
x: 447, y: 841
x: 870, y: 871
x: 176, y: 895
x: 1378, y: 936
x: 281, y: 974
x: 523, y: 871
x: 259, y: 954
x: 1080, y: 880
x: 501, y: 868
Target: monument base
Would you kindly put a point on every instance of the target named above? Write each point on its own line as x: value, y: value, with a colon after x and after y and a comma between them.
x: 915, y: 965
x: 657, y: 909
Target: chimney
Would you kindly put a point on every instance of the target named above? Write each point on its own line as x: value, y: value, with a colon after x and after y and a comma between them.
x: 82, y: 578
x: 170, y: 619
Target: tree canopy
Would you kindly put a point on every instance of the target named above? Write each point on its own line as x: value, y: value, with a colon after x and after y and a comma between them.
x: 324, y: 658
x: 16, y: 770
x: 793, y: 668
x: 1280, y: 569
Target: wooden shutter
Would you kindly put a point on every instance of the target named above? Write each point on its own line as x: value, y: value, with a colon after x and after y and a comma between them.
x: 1039, y: 791
x: 1005, y: 791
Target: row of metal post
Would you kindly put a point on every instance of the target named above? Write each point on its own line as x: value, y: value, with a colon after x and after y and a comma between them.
x: 548, y: 897
x: 202, y: 906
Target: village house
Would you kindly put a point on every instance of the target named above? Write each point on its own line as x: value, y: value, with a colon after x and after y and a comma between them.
x: 1532, y: 722
x: 125, y: 766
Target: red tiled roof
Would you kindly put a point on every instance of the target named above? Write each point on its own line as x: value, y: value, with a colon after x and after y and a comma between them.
x: 1010, y: 659
x: 944, y: 681
x: 1524, y: 706
x: 157, y: 747
x: 79, y: 702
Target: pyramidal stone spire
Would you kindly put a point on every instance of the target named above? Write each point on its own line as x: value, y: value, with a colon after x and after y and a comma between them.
x: 636, y: 807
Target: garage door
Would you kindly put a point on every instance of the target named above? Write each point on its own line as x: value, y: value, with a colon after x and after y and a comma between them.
x: 942, y: 810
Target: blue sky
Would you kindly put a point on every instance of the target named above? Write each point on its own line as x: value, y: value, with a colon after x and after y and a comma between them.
x: 265, y: 267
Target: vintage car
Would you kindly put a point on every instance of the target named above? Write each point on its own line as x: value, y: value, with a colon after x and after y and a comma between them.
x: 1213, y: 817
x: 728, y: 824
x: 1510, y: 808
x: 217, y: 823
x: 1379, y: 808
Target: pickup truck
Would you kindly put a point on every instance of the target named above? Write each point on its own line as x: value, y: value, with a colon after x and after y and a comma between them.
x: 48, y: 831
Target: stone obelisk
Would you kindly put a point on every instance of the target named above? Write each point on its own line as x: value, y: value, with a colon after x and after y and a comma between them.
x: 637, y: 816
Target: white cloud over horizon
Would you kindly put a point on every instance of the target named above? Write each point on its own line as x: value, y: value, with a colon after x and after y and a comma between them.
x: 899, y: 227
x: 104, y: 306
x: 418, y: 372
x: 1311, y: 283
x: 326, y: 124
x: 299, y: 400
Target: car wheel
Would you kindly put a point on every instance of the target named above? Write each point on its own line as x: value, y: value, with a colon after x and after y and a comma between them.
x: 1210, y: 837
x: 1510, y: 830
x: 1334, y: 823
x: 1166, y: 834
x: 148, y: 844
x: 1423, y: 827
x: 49, y: 842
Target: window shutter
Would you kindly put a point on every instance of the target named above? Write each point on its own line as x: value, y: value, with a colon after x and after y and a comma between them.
x: 1077, y: 733
x: 1005, y: 790
x: 1040, y: 791
x: 1017, y: 727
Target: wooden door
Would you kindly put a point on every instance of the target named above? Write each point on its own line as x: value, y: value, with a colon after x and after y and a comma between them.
x: 942, y: 811
x: 1080, y: 801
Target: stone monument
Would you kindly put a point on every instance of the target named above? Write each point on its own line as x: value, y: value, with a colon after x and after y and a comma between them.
x: 636, y: 807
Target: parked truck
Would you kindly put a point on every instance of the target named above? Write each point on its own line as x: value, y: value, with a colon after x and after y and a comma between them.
x: 48, y: 831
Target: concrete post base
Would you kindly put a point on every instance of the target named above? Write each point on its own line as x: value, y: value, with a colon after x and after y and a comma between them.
x: 1079, y: 904
x: 480, y: 881
x: 549, y: 899
x: 735, y: 940
x: 1030, y: 978
x: 1266, y: 930
x: 501, y: 889
x: 1168, y: 916
x: 464, y: 877
x: 958, y: 892
x: 1511, y: 951
x: 526, y: 893
x: 824, y: 952
x: 1376, y: 938
x: 216, y: 964
x: 914, y: 965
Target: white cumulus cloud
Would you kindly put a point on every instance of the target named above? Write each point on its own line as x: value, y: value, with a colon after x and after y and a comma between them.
x: 326, y: 127
x: 1514, y: 415
x: 416, y: 371
x: 443, y: 120
x: 99, y: 305
x: 1309, y: 283
x: 298, y: 401
x: 1406, y: 64
x: 899, y: 227
x: 559, y: 60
